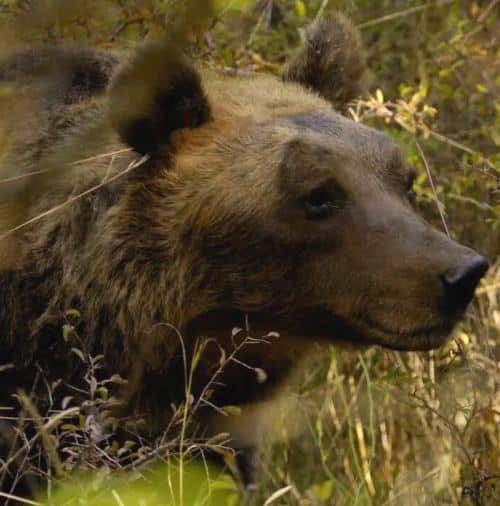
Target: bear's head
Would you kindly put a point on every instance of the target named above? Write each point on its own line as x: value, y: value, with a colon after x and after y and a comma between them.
x: 288, y: 211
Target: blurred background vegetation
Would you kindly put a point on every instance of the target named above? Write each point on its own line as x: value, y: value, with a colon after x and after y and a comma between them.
x: 381, y: 428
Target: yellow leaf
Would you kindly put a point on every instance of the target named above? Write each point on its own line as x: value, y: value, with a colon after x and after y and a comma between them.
x: 232, y: 410
x: 300, y: 8
x: 463, y: 337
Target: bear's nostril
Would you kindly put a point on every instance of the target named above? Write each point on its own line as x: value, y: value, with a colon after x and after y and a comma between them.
x: 460, y: 283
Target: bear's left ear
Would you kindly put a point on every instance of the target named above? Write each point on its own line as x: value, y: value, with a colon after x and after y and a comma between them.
x: 331, y: 60
x: 153, y: 94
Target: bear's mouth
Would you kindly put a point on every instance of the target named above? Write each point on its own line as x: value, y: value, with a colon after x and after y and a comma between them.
x: 365, y: 331
x: 420, y: 339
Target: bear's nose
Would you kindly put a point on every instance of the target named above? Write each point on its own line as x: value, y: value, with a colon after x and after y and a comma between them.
x: 460, y: 283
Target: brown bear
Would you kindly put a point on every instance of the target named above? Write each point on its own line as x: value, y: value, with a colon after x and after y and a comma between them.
x: 168, y: 204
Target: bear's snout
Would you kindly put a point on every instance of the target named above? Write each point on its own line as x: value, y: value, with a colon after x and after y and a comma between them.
x: 460, y: 283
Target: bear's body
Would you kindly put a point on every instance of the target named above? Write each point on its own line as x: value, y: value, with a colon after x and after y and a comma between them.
x: 101, y: 253
x: 191, y: 204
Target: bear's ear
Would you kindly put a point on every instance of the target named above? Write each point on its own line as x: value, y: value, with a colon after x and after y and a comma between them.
x: 154, y: 93
x: 331, y: 60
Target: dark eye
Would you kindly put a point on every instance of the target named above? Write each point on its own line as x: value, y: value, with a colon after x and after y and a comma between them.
x: 410, y: 194
x: 321, y: 202
x: 410, y: 191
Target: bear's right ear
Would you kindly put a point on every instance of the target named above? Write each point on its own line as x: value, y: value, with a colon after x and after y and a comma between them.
x: 153, y: 94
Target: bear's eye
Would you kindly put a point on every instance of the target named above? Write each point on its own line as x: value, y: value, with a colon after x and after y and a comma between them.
x: 320, y: 202
x: 410, y: 190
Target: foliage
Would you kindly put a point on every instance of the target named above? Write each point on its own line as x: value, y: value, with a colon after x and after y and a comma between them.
x: 158, y: 486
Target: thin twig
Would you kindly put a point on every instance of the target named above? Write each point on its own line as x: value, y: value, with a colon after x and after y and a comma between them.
x: 13, y: 179
x: 322, y: 9
x: 429, y: 175
x: 21, y: 500
x: 408, y: 487
x: 48, y: 427
x: 480, y: 19
x: 48, y: 444
x: 129, y: 22
x: 468, y: 200
x: 389, y: 111
x: 259, y: 23
x: 103, y: 155
x: 71, y: 200
x: 77, y: 162
x: 461, y: 147
x: 400, y: 14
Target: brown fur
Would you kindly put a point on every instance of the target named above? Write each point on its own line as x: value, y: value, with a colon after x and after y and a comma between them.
x: 331, y: 61
x: 47, y: 106
x: 258, y: 204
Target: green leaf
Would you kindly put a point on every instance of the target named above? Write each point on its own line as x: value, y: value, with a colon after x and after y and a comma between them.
x: 68, y: 331
x: 73, y: 313
x: 103, y: 393
x: 79, y: 354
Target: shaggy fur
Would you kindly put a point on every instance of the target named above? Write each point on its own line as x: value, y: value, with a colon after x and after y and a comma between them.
x: 331, y: 61
x: 47, y: 105
x: 258, y: 206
